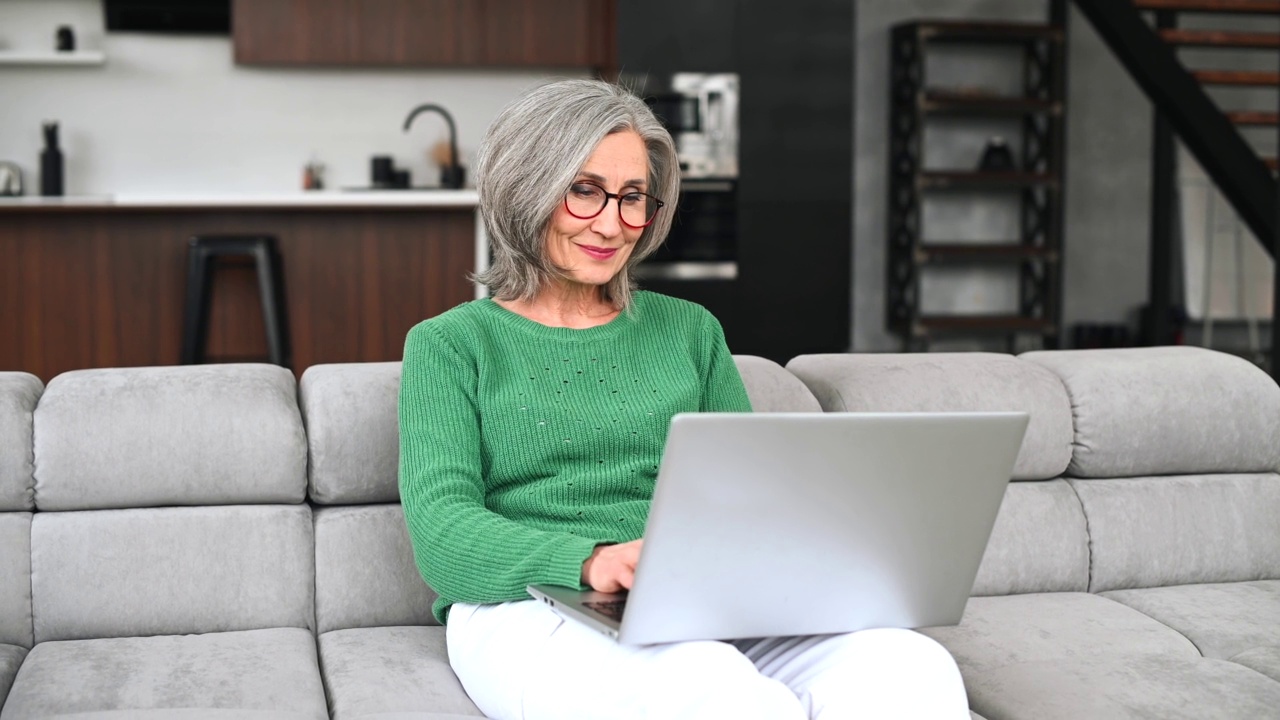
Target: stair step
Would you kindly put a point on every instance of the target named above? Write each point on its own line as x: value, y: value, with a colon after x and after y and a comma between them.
x: 1221, y: 38
x: 1253, y: 117
x: 964, y: 31
x: 973, y: 324
x: 1244, y: 7
x: 952, y: 252
x: 1237, y: 77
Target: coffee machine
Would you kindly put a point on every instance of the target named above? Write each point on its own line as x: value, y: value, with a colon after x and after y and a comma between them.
x: 700, y: 110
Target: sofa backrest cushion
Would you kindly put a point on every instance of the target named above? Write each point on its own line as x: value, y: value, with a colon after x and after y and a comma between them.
x: 352, y: 424
x: 18, y: 395
x: 192, y: 435
x: 1158, y: 531
x: 1040, y: 542
x: 171, y: 571
x: 950, y: 382
x: 772, y: 389
x: 15, y: 579
x: 1167, y: 411
x: 365, y: 574
x: 353, y: 439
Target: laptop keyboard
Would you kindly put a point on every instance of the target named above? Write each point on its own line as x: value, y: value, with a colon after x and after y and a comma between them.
x: 609, y: 608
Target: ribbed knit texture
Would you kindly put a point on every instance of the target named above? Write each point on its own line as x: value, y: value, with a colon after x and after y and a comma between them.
x: 524, y: 446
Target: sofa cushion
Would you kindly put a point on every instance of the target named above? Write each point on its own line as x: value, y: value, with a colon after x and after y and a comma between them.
x: 15, y: 579
x: 1148, y: 686
x: 168, y: 571
x: 1265, y: 660
x: 179, y: 714
x: 272, y: 670
x: 1019, y: 629
x: 353, y: 439
x: 1040, y: 542
x: 18, y: 395
x: 11, y: 657
x: 950, y: 382
x: 192, y: 435
x: 1167, y: 410
x: 771, y: 388
x: 1222, y: 620
x: 1152, y: 532
x: 368, y: 671
x: 365, y: 574
x: 415, y: 716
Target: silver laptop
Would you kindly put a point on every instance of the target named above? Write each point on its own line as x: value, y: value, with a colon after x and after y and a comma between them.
x: 772, y: 524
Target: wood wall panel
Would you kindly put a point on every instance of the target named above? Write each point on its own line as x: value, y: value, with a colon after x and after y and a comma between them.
x: 106, y: 289
x: 425, y: 33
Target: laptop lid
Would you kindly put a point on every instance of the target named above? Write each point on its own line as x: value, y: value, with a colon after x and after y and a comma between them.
x: 771, y: 524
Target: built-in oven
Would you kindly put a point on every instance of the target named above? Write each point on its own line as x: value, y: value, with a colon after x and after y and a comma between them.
x: 703, y: 242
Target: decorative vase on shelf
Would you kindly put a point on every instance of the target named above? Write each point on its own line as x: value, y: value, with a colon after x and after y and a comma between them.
x: 996, y: 157
x: 51, y: 163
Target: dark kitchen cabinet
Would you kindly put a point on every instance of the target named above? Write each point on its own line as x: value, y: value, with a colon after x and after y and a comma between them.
x: 426, y: 33
x: 665, y: 36
x: 793, y: 290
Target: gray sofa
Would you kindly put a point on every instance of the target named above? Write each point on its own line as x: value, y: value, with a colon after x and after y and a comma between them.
x: 220, y: 541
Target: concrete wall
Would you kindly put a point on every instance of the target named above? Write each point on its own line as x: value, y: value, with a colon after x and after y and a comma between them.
x: 173, y: 114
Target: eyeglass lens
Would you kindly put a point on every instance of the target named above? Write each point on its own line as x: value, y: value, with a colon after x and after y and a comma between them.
x: 586, y: 201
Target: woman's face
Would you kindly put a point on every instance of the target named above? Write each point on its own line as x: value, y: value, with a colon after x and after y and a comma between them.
x: 593, y: 250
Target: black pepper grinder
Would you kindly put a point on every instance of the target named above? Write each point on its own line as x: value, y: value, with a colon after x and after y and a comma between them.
x: 51, y: 163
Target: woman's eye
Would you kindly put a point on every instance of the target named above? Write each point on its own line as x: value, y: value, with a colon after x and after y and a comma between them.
x: 633, y: 199
x: 585, y: 191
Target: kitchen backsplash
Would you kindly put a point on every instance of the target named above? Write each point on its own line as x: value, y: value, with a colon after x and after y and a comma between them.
x: 173, y: 114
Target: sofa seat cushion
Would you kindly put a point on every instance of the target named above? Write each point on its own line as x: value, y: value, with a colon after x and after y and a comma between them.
x: 394, y: 670
x: 1223, y: 620
x: 1265, y: 660
x: 1043, y: 627
x: 269, y: 671
x: 179, y: 714
x: 1031, y: 628
x: 10, y: 660
x: 1114, y: 686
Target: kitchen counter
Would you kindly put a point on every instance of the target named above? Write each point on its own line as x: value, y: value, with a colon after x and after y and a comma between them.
x: 316, y: 200
x: 101, y: 281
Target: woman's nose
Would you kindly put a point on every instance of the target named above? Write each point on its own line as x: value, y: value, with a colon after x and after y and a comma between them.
x: 609, y: 221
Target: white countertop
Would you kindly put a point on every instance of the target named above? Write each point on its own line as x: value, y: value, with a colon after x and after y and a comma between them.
x: 466, y: 198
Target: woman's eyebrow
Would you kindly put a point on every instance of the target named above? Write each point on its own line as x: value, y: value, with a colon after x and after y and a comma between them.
x: 601, y: 180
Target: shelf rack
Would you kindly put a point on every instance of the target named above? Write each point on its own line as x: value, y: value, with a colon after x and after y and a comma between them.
x: 1038, y: 182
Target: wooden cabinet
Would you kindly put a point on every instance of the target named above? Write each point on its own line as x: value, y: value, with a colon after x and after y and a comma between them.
x: 105, y: 288
x: 426, y: 33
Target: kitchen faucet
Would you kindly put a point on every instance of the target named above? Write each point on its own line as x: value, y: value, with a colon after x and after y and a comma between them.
x: 451, y: 175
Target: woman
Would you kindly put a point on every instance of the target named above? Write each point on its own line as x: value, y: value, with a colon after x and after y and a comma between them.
x: 531, y: 427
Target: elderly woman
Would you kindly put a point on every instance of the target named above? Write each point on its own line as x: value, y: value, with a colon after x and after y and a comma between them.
x: 531, y: 427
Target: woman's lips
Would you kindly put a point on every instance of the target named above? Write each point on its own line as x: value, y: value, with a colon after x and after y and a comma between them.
x: 598, y: 253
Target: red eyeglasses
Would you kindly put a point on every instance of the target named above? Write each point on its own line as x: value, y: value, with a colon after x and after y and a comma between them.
x: 587, y: 200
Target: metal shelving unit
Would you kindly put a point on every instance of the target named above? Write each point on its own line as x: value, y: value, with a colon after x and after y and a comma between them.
x: 1037, y: 181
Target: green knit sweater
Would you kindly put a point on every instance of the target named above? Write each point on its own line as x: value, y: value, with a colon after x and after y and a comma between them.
x: 523, y: 446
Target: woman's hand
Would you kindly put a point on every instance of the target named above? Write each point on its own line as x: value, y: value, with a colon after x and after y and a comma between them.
x: 612, y: 568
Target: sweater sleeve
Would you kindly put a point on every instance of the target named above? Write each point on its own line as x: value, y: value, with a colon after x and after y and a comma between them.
x: 463, y: 550
x: 723, y: 390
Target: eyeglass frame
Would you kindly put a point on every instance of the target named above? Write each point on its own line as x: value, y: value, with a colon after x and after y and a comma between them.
x: 618, y: 198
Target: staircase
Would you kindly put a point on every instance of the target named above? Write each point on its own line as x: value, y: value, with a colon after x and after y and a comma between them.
x: 1227, y: 142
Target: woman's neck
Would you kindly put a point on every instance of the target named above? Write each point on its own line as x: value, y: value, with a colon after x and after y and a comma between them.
x: 565, y: 305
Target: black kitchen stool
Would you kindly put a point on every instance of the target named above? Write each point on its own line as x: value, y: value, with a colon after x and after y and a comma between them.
x: 202, y: 254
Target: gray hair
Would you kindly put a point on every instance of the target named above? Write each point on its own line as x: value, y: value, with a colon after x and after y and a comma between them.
x: 531, y: 155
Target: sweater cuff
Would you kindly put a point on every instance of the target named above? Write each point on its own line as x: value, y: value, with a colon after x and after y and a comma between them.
x: 566, y: 562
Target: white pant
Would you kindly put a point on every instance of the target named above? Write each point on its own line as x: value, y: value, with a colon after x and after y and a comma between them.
x: 521, y: 661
